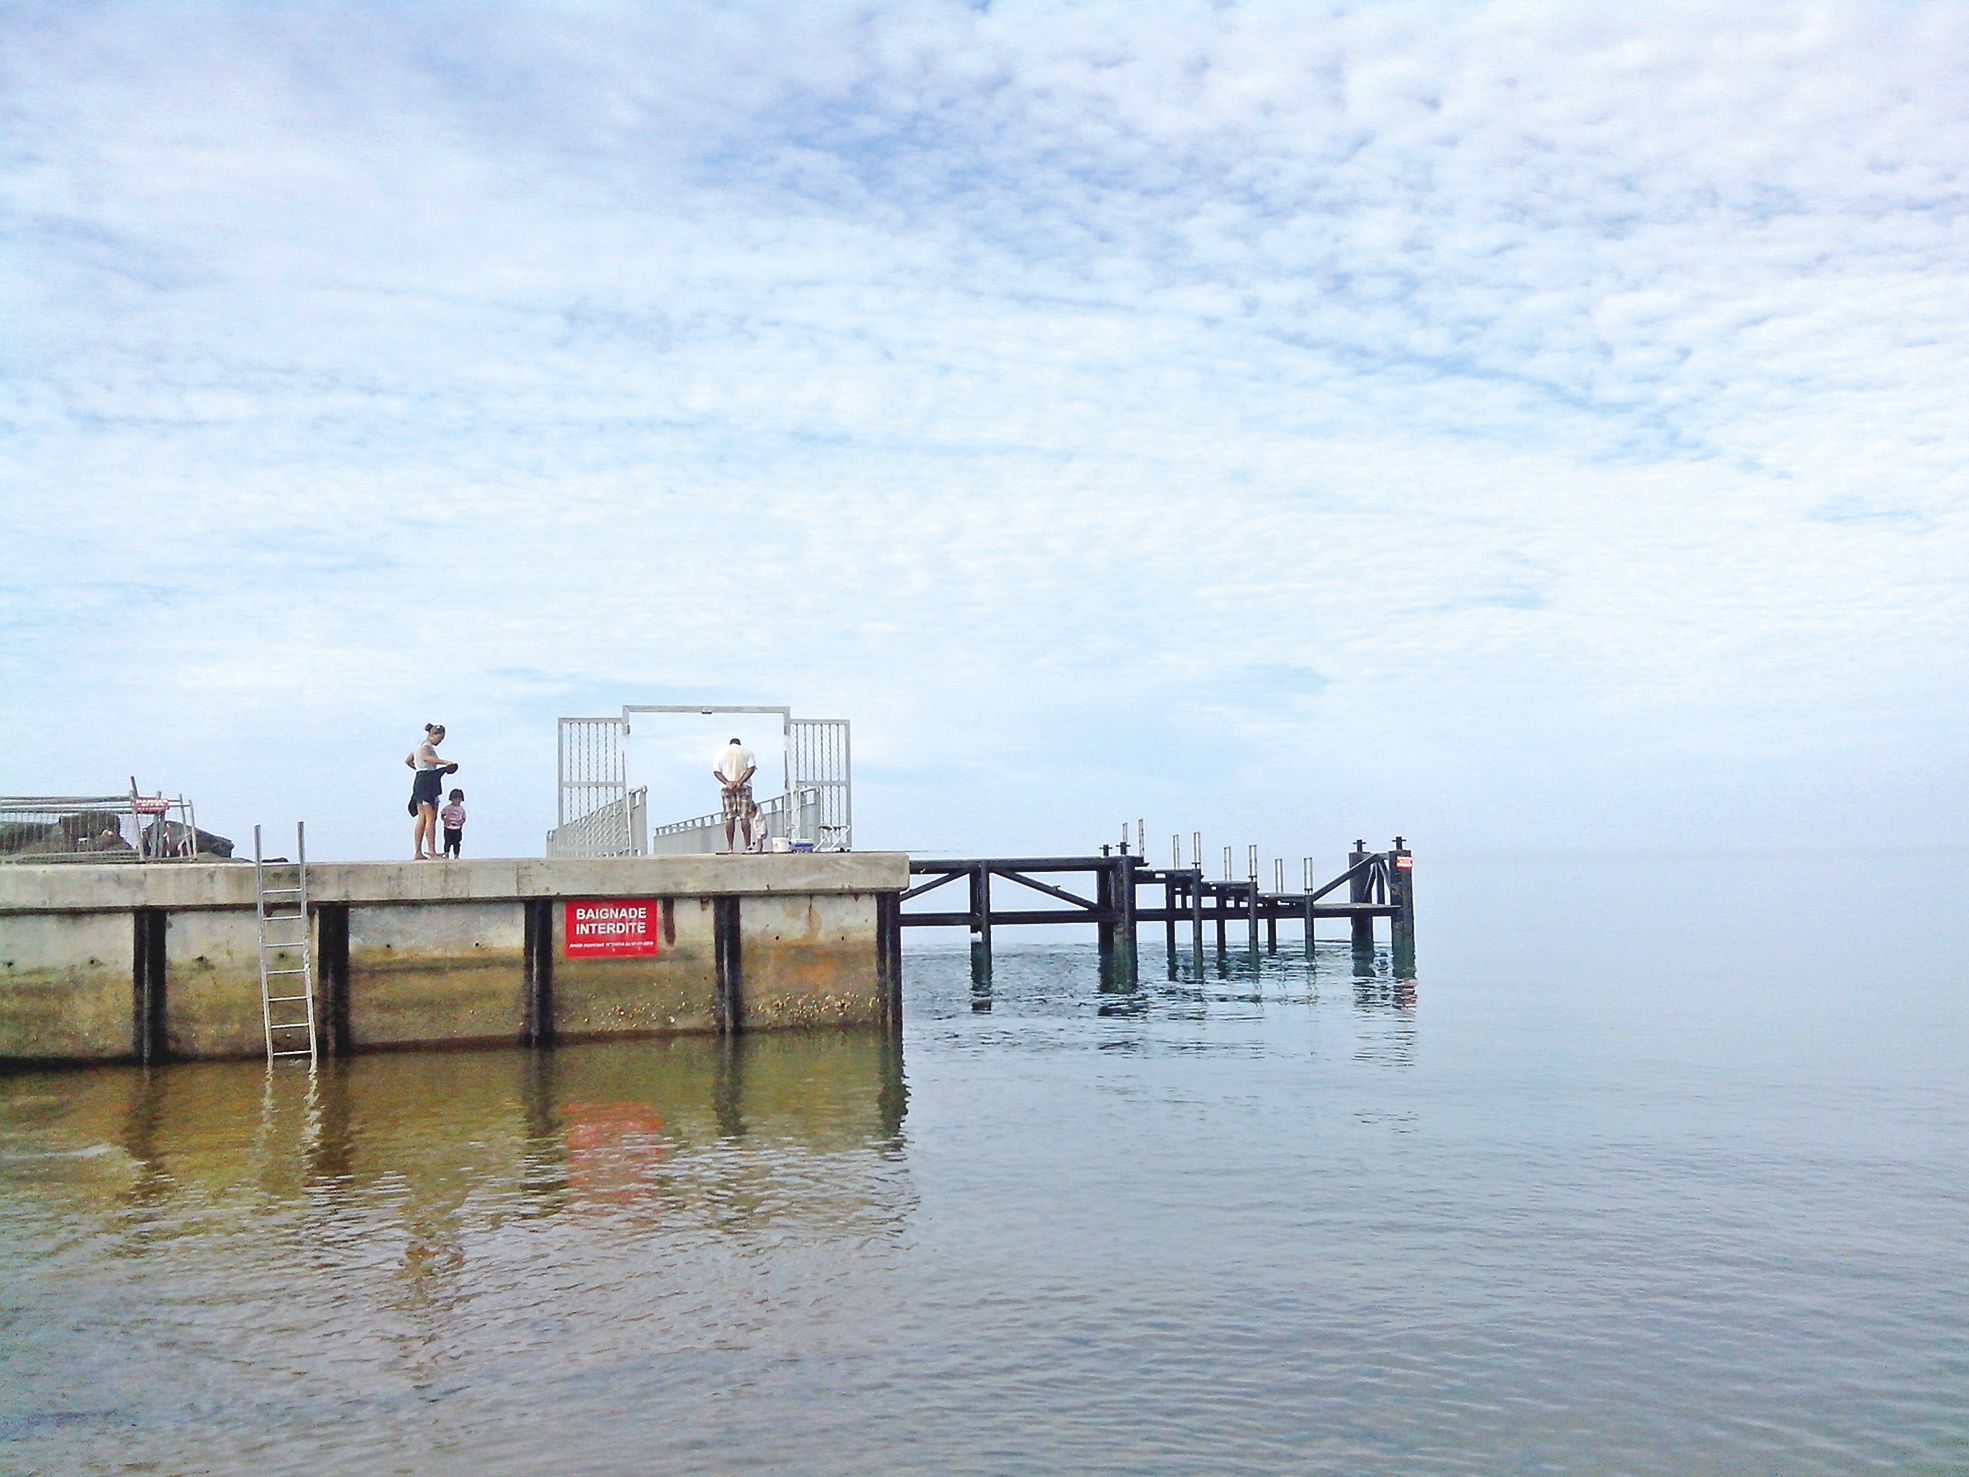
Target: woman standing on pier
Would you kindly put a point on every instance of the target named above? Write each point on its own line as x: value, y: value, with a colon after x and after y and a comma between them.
x: 431, y: 771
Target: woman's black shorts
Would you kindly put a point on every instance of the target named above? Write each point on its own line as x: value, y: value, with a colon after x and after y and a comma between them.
x: 424, y: 789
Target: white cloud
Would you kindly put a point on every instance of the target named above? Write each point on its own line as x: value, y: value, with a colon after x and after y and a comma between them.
x: 1034, y: 383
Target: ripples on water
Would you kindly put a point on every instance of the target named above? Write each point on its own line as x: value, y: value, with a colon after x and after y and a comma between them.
x: 1272, y: 1217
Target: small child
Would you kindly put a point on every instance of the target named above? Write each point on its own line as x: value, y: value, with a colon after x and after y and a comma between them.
x: 452, y: 818
x: 761, y: 833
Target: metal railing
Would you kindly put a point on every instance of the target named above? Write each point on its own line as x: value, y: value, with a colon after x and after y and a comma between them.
x: 103, y: 828
x: 794, y: 817
x: 614, y: 829
x: 619, y: 828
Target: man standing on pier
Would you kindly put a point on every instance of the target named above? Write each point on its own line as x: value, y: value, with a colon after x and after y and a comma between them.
x: 734, y: 772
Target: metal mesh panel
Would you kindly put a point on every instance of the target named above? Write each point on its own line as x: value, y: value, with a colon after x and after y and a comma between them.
x: 818, y: 759
x: 595, y: 813
x: 103, y: 828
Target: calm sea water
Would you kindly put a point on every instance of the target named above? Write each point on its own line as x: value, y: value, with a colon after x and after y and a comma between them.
x: 1652, y: 1168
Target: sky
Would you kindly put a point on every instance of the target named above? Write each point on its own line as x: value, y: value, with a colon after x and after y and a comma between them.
x: 1527, y: 428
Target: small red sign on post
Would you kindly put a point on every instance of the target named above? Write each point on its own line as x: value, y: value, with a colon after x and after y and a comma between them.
x: 611, y: 927
x: 1404, y: 862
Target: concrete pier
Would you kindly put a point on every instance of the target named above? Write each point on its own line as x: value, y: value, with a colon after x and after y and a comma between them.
x: 160, y: 962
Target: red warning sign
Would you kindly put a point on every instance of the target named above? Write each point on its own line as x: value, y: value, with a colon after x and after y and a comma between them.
x: 1404, y: 862
x: 611, y: 927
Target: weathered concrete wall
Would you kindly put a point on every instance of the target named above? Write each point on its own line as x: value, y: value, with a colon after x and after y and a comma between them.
x: 436, y: 972
x: 676, y: 990
x: 212, y: 998
x: 809, y: 961
x: 438, y: 952
x: 66, y: 986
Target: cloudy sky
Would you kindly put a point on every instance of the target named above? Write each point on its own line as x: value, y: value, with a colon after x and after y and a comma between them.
x: 1519, y: 426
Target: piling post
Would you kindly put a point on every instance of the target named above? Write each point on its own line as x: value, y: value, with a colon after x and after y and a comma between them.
x: 730, y: 999
x: 1116, y: 895
x: 1357, y: 895
x: 888, y: 956
x: 1105, y: 911
x: 1196, y: 911
x: 537, y: 1023
x: 1124, y: 878
x: 148, y: 961
x: 1169, y: 919
x: 1401, y: 896
x: 1125, y: 896
x: 981, y: 907
x: 1251, y: 902
x: 1308, y: 867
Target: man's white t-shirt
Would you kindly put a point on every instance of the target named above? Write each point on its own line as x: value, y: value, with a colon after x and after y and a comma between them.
x: 733, y: 763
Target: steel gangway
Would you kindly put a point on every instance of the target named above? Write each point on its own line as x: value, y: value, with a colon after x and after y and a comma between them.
x: 286, y: 949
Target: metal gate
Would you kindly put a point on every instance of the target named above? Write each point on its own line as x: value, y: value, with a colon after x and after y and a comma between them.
x: 597, y: 815
x: 818, y: 758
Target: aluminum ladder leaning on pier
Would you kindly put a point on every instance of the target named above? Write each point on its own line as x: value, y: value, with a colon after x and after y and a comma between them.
x: 281, y: 903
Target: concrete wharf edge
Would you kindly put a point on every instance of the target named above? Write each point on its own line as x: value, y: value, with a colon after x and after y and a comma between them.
x: 159, y: 962
x: 74, y: 888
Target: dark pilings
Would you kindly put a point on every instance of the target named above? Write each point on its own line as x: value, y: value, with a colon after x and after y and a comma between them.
x: 1107, y: 897
x: 981, y: 907
x: 1196, y: 912
x: 980, y: 881
x: 1113, y: 903
x: 147, y: 1000
x: 1401, y: 897
x: 888, y: 956
x: 730, y: 1004
x: 1125, y: 896
x: 1125, y: 921
x: 331, y: 923
x: 1357, y: 893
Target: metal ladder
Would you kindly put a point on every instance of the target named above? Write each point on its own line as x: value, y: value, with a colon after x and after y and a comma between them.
x: 281, y: 905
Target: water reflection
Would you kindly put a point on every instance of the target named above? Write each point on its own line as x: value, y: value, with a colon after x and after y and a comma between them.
x: 690, y: 1257
x: 641, y: 1130
x: 980, y: 977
